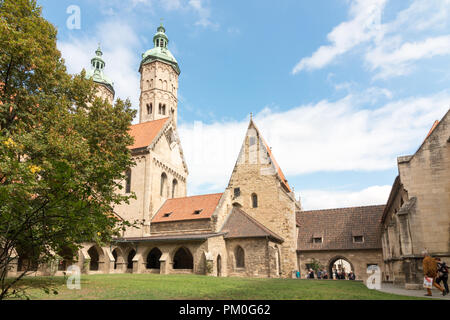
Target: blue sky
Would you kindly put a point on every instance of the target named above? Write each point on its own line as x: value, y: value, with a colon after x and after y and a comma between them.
x: 338, y: 88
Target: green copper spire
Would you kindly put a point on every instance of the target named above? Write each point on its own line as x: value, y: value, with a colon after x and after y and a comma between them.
x: 160, y: 51
x: 96, y: 73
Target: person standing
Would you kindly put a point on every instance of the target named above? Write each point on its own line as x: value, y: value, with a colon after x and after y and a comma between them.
x: 442, y: 274
x: 430, y: 270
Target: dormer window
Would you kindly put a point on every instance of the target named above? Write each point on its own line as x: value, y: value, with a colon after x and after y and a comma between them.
x: 166, y: 215
x: 358, y: 239
x: 317, y: 240
x: 197, y: 212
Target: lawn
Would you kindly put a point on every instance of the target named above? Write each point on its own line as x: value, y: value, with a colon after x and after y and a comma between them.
x: 172, y: 287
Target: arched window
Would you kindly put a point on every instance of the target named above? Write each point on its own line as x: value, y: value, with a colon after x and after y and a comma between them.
x: 153, y: 259
x: 174, y: 188
x: 128, y: 182
x: 183, y: 259
x: 163, y: 185
x: 130, y: 259
x: 239, y: 255
x: 114, y: 253
x: 95, y: 258
x: 149, y: 108
x: 254, y: 200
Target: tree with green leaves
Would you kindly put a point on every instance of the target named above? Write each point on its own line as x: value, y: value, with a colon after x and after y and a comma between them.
x: 63, y: 151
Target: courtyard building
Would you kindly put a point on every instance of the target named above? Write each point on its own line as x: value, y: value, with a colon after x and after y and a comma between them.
x: 256, y: 227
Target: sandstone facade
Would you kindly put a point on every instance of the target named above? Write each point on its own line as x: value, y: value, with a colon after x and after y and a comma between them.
x: 417, y: 215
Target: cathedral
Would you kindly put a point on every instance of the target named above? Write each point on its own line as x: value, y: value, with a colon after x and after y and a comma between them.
x: 256, y: 227
x: 248, y: 230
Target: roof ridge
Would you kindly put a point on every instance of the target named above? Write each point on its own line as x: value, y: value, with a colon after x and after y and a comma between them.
x: 147, y: 122
x: 343, y: 208
x: 196, y: 196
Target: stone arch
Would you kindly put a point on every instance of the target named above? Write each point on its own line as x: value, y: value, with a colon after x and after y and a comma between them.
x: 153, y: 259
x: 183, y: 259
x: 130, y: 257
x: 27, y: 261
x: 67, y: 255
x: 239, y: 257
x: 96, y: 258
x: 119, y: 260
x: 237, y: 205
x: 333, y: 260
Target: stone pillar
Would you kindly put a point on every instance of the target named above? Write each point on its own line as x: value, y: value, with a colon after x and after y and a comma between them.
x: 164, y: 264
x: 209, y: 264
x: 137, y: 266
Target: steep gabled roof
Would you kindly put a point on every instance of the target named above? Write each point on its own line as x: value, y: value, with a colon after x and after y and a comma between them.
x: 275, y: 163
x: 241, y: 225
x: 144, y: 133
x: 338, y: 226
x: 182, y: 209
x: 272, y: 158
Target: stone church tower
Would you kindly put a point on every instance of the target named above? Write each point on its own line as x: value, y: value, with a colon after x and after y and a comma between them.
x: 259, y: 187
x: 105, y: 87
x: 159, y: 81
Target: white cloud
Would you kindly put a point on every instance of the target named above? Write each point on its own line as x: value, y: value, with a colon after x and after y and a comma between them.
x: 399, y: 60
x: 119, y: 44
x: 321, y: 137
x: 204, y: 13
x: 320, y: 199
x: 393, y: 48
x: 364, y: 26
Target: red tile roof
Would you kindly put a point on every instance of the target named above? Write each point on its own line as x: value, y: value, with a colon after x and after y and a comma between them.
x: 275, y: 163
x: 144, y: 133
x: 433, y: 127
x: 338, y: 226
x: 240, y: 225
x: 183, y: 208
x: 272, y: 158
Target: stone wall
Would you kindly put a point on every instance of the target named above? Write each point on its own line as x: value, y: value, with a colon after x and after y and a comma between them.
x: 186, y: 227
x: 418, y: 217
x: 255, y: 173
x: 359, y: 260
x: 259, y: 258
x: 159, y: 85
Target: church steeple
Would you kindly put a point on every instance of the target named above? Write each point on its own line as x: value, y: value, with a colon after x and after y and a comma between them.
x: 160, y: 39
x: 97, y: 73
x: 159, y: 81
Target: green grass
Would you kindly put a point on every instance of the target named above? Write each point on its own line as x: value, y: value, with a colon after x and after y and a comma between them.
x: 172, y: 287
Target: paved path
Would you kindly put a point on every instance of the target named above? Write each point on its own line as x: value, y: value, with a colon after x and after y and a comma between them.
x: 390, y: 288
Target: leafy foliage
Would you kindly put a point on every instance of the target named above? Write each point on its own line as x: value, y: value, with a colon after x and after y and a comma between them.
x: 63, y: 151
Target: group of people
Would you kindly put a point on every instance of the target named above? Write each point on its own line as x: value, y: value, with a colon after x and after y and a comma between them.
x: 336, y: 275
x: 437, y: 270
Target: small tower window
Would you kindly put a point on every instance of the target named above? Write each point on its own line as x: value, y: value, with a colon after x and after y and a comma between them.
x: 239, y: 256
x: 163, y: 185
x: 237, y: 192
x: 174, y: 188
x: 128, y: 182
x: 254, y: 200
x: 149, y: 108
